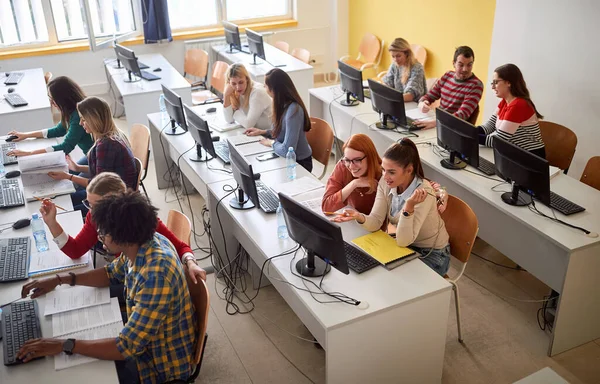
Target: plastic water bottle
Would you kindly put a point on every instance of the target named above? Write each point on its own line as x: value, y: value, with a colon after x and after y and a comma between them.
x: 2, y: 169
x: 290, y: 160
x: 39, y: 233
x: 282, y: 231
x: 162, y: 107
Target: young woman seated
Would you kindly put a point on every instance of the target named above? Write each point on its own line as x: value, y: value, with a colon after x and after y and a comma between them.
x: 245, y: 101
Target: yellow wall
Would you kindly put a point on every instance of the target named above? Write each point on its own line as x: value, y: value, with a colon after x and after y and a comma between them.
x: 439, y: 25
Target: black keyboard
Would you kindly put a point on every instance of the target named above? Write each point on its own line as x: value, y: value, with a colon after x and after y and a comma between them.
x: 486, y: 167
x: 357, y: 260
x: 7, y: 147
x: 15, y: 100
x: 14, y: 78
x: 149, y: 76
x: 222, y: 151
x: 20, y: 322
x: 10, y: 194
x: 142, y: 65
x: 268, y: 200
x: 14, y: 258
x: 564, y: 206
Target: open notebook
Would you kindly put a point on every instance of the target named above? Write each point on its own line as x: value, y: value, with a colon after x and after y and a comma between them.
x: 34, y: 175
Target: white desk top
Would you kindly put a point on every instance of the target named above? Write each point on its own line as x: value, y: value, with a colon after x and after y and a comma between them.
x: 169, y: 76
x: 380, y: 288
x: 42, y: 370
x: 32, y: 88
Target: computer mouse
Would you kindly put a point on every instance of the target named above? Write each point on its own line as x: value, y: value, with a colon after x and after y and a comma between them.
x: 216, y: 138
x: 6, y: 74
x: 256, y: 176
x: 11, y: 174
x: 21, y: 223
x: 11, y: 138
x: 157, y: 69
x: 211, y: 110
x: 10, y: 90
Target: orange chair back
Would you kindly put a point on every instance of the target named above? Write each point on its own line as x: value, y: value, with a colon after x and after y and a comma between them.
x: 320, y: 137
x: 195, y: 63
x: 180, y: 225
x: 369, y: 48
x: 217, y: 79
x: 591, y: 173
x: 462, y: 226
x: 420, y: 53
x: 282, y: 46
x: 560, y: 144
x: 301, y: 54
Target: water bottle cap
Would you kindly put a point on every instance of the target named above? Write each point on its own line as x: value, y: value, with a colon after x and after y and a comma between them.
x: 35, y: 216
x: 291, y: 149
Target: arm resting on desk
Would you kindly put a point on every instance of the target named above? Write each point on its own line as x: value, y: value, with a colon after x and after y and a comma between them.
x: 103, y: 349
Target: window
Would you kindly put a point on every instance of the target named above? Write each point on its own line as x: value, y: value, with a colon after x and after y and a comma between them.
x: 257, y: 9
x: 185, y: 14
x: 22, y: 22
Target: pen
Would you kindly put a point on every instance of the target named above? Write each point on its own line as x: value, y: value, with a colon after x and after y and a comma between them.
x: 333, y: 213
x: 57, y: 206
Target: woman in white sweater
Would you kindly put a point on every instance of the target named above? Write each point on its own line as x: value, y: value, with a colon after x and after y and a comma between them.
x: 245, y: 101
x: 406, y: 199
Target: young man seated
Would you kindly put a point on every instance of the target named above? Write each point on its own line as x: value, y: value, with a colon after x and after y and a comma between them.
x: 158, y: 339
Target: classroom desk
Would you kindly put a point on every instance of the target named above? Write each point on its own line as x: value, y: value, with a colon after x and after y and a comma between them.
x: 563, y: 258
x: 36, y: 114
x: 141, y: 98
x: 397, y: 334
x: 302, y: 74
x: 42, y: 370
x: 196, y: 175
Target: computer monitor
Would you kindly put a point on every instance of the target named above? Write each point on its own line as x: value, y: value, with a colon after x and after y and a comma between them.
x: 389, y: 102
x: 459, y: 137
x: 256, y: 45
x: 351, y: 83
x: 247, y: 196
x: 232, y: 36
x: 174, y: 107
x: 527, y: 172
x: 127, y: 58
x: 319, y: 236
x: 198, y: 128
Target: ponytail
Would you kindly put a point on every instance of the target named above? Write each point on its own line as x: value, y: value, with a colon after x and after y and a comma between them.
x: 404, y: 153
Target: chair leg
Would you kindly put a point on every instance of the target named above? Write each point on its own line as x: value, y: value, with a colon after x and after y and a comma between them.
x: 143, y: 188
x: 457, y: 304
x: 323, y: 173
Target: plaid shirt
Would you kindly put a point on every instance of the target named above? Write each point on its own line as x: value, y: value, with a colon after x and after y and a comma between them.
x: 112, y: 154
x: 160, y: 333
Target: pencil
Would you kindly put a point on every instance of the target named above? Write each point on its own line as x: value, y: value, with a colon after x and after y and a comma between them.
x: 57, y: 206
x: 333, y: 213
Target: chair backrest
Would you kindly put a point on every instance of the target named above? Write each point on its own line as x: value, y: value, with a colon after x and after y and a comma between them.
x: 139, y: 137
x: 320, y: 137
x: 195, y: 63
x: 591, y: 173
x: 431, y: 82
x: 462, y: 226
x: 201, y: 300
x: 282, y: 46
x: 560, y: 144
x: 369, y: 48
x: 301, y: 54
x: 180, y: 225
x: 420, y: 53
x: 47, y: 77
x: 474, y: 115
x: 139, y: 169
x: 217, y: 80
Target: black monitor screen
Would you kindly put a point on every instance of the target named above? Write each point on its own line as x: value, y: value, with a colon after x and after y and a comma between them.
x: 351, y: 81
x: 174, y: 107
x: 387, y: 101
x: 198, y: 128
x: 255, y: 44
x: 232, y: 35
x: 242, y: 173
x: 458, y: 136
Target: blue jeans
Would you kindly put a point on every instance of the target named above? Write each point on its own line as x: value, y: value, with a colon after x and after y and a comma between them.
x: 436, y: 259
x: 77, y: 198
x: 82, y: 161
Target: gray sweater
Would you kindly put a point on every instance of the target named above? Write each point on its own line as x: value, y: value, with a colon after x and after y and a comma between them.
x: 415, y: 84
x: 292, y: 134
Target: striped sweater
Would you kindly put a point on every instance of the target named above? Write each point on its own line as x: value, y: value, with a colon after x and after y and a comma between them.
x: 515, y: 122
x: 458, y: 97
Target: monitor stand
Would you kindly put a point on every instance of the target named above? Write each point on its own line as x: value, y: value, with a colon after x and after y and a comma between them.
x: 516, y: 197
x: 198, y: 156
x: 118, y: 66
x: 348, y: 102
x: 175, y: 130
x: 131, y: 80
x: 453, y: 162
x: 254, y: 62
x: 241, y: 201
x: 385, y: 123
x: 311, y: 266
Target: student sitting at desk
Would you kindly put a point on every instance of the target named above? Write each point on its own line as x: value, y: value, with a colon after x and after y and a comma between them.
x: 406, y: 74
x: 516, y: 118
x: 64, y: 94
x: 110, y: 153
x: 459, y: 91
x: 245, y: 101
x: 157, y: 342
x: 108, y: 183
x: 406, y: 199
x: 290, y: 119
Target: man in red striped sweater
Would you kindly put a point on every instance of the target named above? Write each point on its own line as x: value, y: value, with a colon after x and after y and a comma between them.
x: 459, y: 91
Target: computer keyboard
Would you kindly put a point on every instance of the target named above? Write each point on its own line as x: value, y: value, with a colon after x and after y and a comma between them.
x: 268, y: 200
x: 14, y: 258
x: 15, y: 100
x: 564, y: 206
x: 149, y: 76
x: 7, y: 147
x: 357, y: 260
x: 486, y: 166
x: 20, y: 322
x: 222, y: 151
x: 142, y: 65
x: 14, y: 78
x: 10, y: 194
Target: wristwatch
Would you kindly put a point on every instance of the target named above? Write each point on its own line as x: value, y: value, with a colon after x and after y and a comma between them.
x: 68, y: 346
x: 406, y: 214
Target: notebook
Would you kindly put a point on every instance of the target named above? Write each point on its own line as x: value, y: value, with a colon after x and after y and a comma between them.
x: 218, y: 123
x: 383, y: 248
x: 54, y: 261
x: 34, y: 175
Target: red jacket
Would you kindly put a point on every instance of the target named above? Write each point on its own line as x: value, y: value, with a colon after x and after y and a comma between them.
x: 88, y: 236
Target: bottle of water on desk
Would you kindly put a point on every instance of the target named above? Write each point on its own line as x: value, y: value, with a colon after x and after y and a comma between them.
x: 282, y: 231
x: 290, y: 160
x: 162, y: 107
x: 39, y: 233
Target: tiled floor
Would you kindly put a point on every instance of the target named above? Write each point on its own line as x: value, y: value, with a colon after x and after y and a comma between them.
x: 503, y: 342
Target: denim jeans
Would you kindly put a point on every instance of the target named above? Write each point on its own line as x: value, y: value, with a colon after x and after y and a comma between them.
x: 77, y: 198
x: 436, y: 259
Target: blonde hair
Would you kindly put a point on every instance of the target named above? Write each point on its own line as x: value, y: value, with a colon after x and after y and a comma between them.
x: 98, y: 116
x: 238, y: 70
x: 401, y: 45
x: 106, y: 183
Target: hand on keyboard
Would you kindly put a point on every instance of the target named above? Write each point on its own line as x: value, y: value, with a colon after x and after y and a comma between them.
x: 17, y: 153
x: 34, y: 348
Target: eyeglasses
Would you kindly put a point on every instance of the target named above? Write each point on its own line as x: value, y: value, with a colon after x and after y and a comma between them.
x: 86, y: 203
x: 356, y: 161
x: 495, y: 82
x: 101, y: 236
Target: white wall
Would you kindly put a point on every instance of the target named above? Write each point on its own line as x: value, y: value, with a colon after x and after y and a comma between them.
x: 555, y: 44
x: 314, y: 32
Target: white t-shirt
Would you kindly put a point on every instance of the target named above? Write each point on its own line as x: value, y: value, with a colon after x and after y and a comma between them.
x: 258, y: 112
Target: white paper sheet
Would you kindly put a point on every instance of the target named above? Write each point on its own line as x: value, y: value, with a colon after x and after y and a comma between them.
x: 313, y: 204
x: 41, y: 161
x: 218, y: 123
x: 243, y: 139
x: 253, y: 148
x: 49, y: 189
x: 63, y: 300
x: 54, y: 260
x: 416, y: 114
x: 298, y: 186
x: 86, y: 318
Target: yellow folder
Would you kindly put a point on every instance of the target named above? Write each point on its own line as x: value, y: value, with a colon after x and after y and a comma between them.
x: 382, y: 247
